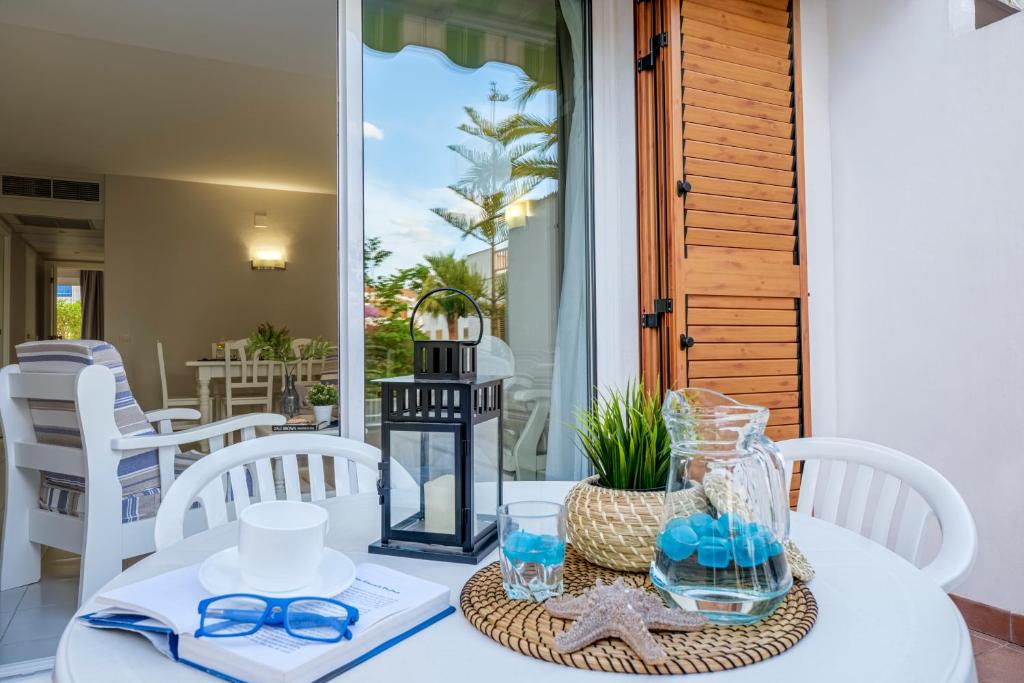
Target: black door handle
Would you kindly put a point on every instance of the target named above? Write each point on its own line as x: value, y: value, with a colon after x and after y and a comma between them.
x: 686, y: 341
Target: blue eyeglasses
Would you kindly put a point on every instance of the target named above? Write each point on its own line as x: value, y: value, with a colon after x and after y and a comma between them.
x: 242, y: 614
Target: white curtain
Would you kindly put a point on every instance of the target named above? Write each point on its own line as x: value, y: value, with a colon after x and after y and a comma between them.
x: 570, y: 388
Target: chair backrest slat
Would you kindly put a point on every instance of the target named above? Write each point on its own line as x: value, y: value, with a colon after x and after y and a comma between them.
x: 40, y: 456
x: 808, y: 486
x: 858, y: 505
x: 922, y: 490
x: 292, y: 485
x: 885, y: 509
x: 317, y: 485
x: 239, y: 488
x: 264, y: 473
x: 204, y: 479
x: 829, y: 509
x: 912, y: 522
x: 43, y: 386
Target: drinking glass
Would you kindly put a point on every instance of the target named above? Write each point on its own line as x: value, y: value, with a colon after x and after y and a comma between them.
x: 531, y: 536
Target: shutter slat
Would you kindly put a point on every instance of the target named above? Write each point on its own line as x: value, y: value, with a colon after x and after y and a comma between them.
x: 737, y: 72
x: 737, y: 316
x: 746, y: 207
x: 719, y: 16
x: 727, y: 53
x: 741, y: 368
x: 762, y: 351
x: 737, y: 155
x: 740, y: 302
x: 767, y: 46
x: 736, y: 188
x: 738, y: 172
x: 742, y: 240
x: 727, y: 221
x: 742, y: 333
x: 742, y: 385
x: 750, y: 124
x: 737, y: 105
x: 774, y: 104
x: 782, y: 399
x: 738, y: 253
x: 753, y: 10
x: 737, y: 138
x: 783, y: 416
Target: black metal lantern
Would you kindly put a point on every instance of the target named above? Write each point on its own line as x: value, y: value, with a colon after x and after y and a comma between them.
x: 441, y: 426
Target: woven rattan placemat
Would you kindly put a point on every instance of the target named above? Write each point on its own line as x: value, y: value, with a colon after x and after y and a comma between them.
x: 528, y: 629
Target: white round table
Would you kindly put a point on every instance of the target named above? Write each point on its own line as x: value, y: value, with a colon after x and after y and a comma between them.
x: 880, y: 618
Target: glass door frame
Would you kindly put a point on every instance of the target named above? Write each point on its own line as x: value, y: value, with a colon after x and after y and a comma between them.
x: 614, y: 300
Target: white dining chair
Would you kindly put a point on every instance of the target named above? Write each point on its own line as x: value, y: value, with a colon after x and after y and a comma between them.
x: 85, y: 467
x: 233, y: 478
x: 887, y: 496
x: 248, y: 380
x: 182, y: 402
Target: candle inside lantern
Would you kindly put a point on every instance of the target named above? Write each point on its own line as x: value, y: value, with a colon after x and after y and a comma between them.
x: 439, y: 504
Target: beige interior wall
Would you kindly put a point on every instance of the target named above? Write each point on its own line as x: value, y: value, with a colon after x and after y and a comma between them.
x: 177, y: 270
x: 24, y: 274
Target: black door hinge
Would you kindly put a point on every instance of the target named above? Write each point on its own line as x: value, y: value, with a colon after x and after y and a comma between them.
x: 647, y: 61
x: 661, y: 307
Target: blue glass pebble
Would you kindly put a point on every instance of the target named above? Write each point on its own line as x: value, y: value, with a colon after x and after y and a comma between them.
x: 678, y: 541
x: 521, y: 546
x: 677, y: 522
x: 749, y: 551
x: 713, y: 552
x: 700, y: 522
x: 726, y: 524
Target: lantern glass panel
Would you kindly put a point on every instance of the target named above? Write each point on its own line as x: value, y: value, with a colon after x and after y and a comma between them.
x: 429, y: 456
x: 486, y: 475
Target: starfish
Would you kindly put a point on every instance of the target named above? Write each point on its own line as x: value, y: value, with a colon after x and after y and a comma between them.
x: 618, y: 611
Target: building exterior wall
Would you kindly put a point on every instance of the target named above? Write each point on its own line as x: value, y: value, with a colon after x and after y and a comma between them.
x: 926, y: 152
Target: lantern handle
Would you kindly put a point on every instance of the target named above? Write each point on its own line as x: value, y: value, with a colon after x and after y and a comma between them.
x: 479, y: 314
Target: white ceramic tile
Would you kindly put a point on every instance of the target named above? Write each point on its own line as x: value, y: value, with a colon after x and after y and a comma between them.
x: 50, y: 592
x: 10, y: 598
x: 38, y: 623
x: 28, y: 650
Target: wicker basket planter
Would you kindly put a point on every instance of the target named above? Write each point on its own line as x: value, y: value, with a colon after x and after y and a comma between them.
x: 616, y: 528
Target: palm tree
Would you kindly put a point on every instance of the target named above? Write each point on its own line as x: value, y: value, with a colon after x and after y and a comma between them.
x: 448, y: 271
x: 541, y: 163
x: 489, y: 184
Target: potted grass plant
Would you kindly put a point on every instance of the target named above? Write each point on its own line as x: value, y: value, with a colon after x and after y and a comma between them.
x: 615, y: 515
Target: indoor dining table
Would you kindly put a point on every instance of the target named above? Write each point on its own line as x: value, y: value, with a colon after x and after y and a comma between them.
x: 880, y: 618
x: 206, y: 371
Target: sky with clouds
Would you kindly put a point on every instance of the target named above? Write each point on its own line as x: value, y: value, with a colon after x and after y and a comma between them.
x: 412, y: 105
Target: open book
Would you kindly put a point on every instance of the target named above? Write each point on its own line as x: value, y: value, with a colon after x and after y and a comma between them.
x: 392, y: 606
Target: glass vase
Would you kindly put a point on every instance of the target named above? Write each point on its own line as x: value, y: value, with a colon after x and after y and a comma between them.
x: 289, y: 397
x: 727, y: 559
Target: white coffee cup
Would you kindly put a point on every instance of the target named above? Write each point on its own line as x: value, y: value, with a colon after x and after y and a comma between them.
x: 280, y: 544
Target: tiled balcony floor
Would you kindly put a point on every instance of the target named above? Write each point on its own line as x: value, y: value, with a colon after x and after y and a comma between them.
x: 997, y: 660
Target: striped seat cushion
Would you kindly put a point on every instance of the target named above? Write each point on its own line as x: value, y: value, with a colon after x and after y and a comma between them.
x: 56, y: 423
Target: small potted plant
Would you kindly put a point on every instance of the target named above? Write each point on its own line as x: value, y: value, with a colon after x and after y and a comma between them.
x: 615, y: 515
x: 323, y: 398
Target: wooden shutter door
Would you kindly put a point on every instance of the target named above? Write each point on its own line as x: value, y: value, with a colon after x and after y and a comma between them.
x: 720, y: 221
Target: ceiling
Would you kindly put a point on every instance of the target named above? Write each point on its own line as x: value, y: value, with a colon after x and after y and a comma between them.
x: 221, y: 91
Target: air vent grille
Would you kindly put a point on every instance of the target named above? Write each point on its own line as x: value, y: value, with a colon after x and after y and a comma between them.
x: 21, y: 186
x: 50, y: 188
x: 54, y: 222
x: 77, y: 190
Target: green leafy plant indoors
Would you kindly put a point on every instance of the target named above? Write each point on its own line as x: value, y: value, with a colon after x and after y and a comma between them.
x: 322, y: 395
x: 271, y: 343
x: 625, y: 438
x: 317, y: 347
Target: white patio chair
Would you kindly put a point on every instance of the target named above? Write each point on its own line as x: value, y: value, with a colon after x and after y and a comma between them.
x: 248, y: 381
x: 232, y: 468
x: 184, y: 402
x: 85, y: 468
x: 867, y: 476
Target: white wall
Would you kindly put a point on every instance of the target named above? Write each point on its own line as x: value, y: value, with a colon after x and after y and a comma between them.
x: 928, y: 215
x: 177, y: 270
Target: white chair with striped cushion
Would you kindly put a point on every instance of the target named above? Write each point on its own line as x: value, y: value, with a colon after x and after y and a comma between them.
x: 85, y: 468
x: 226, y: 475
x: 887, y: 496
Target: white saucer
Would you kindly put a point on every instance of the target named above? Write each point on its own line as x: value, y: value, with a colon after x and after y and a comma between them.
x: 220, y: 574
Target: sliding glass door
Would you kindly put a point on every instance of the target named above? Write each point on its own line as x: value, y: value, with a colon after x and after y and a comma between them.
x: 476, y: 175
